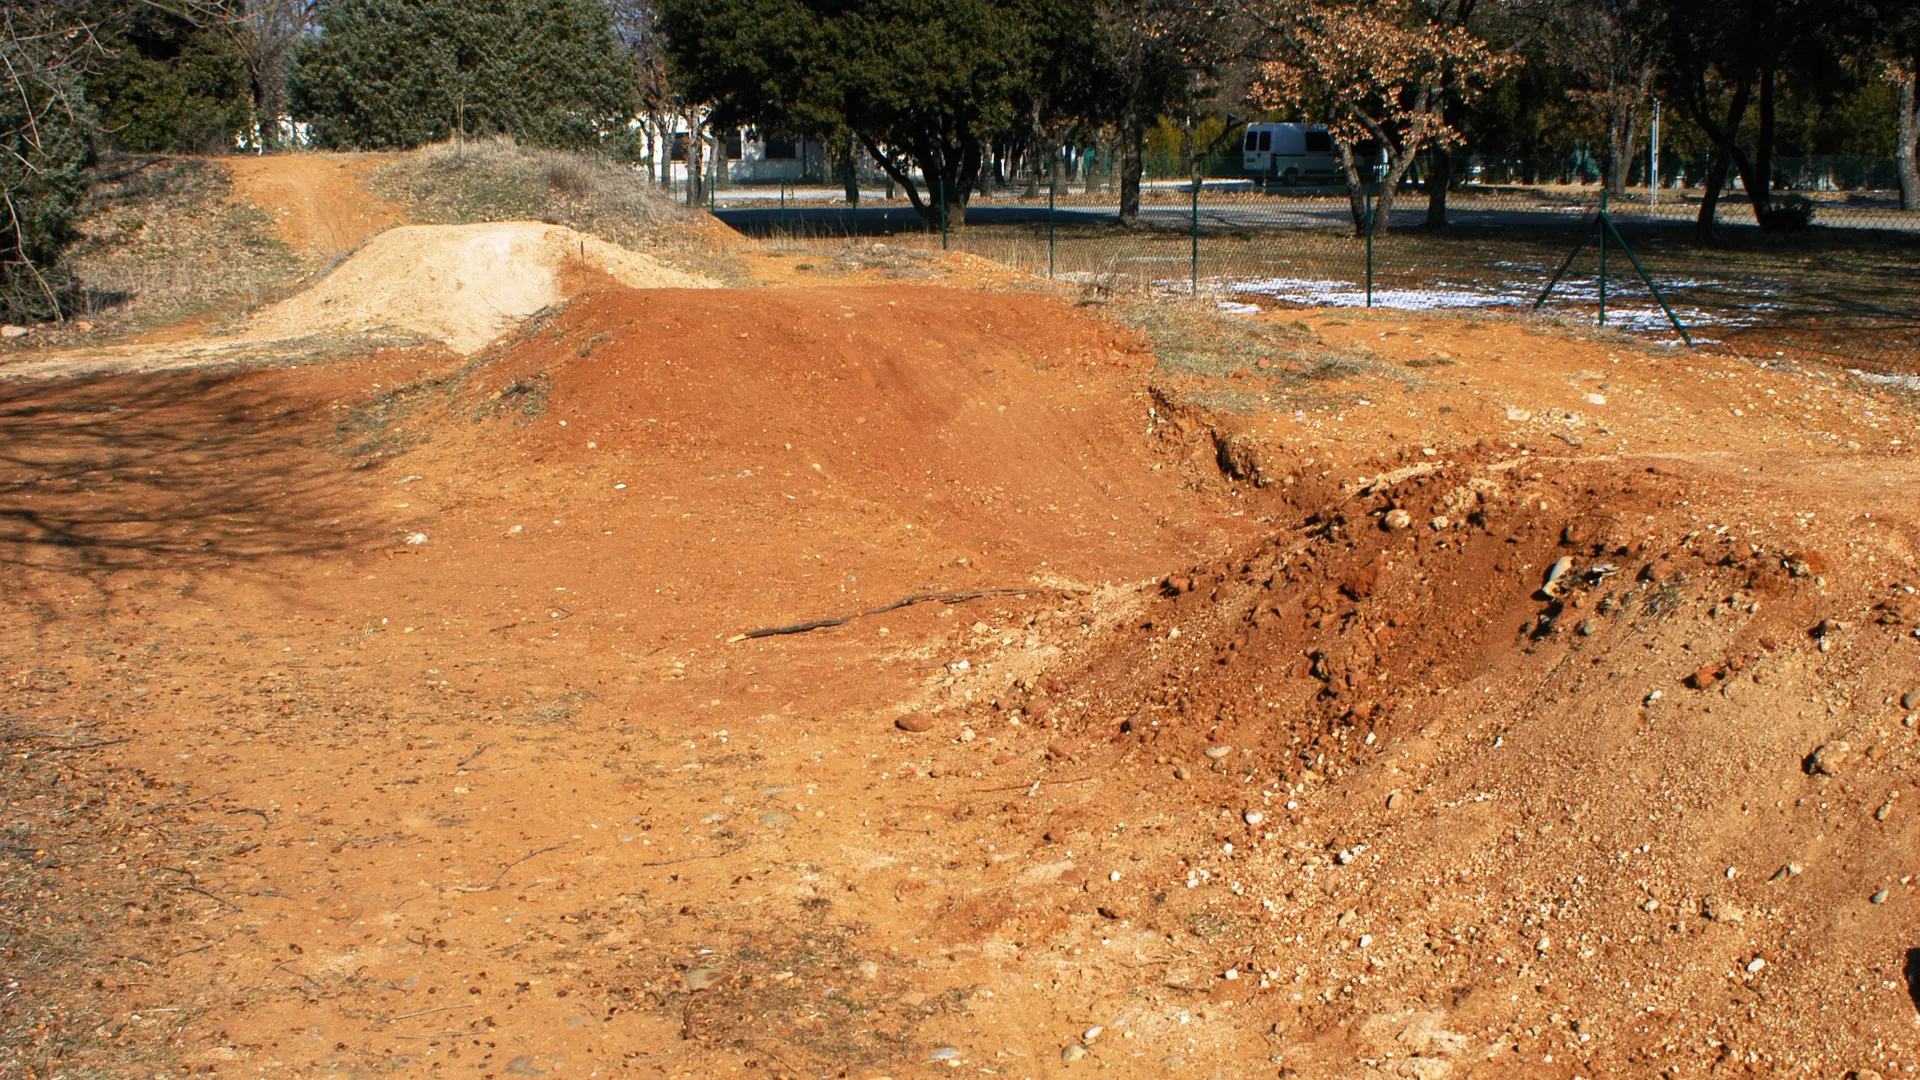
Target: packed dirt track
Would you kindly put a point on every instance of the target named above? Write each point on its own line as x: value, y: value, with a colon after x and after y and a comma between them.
x: 1438, y: 698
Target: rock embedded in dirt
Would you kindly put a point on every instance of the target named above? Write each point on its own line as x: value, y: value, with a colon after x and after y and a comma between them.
x: 1551, y: 584
x: 702, y: 978
x: 1396, y: 519
x: 1215, y: 753
x: 1827, y: 759
x: 1910, y: 699
x: 1395, y: 800
x: 1072, y: 1052
x: 914, y: 722
x: 1253, y: 817
x: 1879, y: 897
x: 1704, y: 678
x: 1721, y: 909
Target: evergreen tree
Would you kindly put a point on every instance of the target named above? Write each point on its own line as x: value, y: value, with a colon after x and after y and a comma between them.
x: 170, y: 83
x: 923, y: 84
x: 398, y: 73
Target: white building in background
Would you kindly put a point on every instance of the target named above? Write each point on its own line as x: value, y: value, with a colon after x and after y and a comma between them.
x: 751, y: 158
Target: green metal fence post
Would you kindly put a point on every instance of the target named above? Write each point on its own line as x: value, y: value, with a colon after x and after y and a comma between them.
x: 1651, y: 287
x: 783, y: 207
x: 1195, y: 266
x: 942, y: 184
x: 1603, y: 224
x: 1053, y: 190
x: 1368, y: 196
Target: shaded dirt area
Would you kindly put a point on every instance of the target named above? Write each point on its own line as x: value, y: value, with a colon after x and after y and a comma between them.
x: 443, y: 754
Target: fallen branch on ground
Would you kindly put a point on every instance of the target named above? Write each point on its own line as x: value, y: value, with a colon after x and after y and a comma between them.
x: 917, y: 598
x: 495, y: 883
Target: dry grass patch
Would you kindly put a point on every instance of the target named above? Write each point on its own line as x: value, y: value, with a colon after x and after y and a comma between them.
x: 163, y: 241
x: 500, y: 180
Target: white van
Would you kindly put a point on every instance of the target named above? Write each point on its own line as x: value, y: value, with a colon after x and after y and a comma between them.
x: 1289, y: 154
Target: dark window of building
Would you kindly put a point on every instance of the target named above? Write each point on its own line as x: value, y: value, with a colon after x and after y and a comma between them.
x: 733, y: 146
x: 780, y: 150
x: 677, y: 150
x: 1319, y: 142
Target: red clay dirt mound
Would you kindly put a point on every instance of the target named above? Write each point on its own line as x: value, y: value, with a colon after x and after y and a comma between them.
x: 319, y: 202
x: 854, y: 445
x: 1558, y: 811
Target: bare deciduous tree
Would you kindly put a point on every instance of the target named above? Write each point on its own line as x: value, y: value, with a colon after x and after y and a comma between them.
x: 1612, y: 64
x: 264, y: 33
x: 1378, y: 73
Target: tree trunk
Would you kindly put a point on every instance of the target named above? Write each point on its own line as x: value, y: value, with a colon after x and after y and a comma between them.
x: 696, y: 167
x: 1710, y: 199
x: 1623, y: 144
x: 1059, y: 177
x: 896, y: 170
x: 1437, y: 186
x: 265, y: 111
x: 662, y: 150
x: 1757, y: 176
x: 1398, y: 162
x: 1356, y: 187
x: 963, y: 175
x: 1133, y: 164
x: 1906, y: 153
x: 850, y: 171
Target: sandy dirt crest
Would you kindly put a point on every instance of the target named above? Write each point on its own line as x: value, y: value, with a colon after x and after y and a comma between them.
x: 463, y: 285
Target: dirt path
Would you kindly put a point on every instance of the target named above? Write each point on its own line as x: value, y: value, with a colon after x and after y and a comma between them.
x: 321, y: 202
x: 442, y: 754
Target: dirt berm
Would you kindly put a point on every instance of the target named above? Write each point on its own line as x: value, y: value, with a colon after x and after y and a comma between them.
x: 464, y: 285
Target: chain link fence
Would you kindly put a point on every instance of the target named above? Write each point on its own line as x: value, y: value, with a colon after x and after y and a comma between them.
x: 1846, y: 287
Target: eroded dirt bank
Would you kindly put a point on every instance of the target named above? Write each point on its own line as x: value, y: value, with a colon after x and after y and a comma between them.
x: 440, y: 758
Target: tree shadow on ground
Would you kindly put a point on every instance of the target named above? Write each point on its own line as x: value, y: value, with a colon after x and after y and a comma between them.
x: 1912, y: 973
x: 182, y: 471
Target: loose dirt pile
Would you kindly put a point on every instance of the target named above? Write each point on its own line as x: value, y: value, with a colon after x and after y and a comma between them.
x: 1516, y: 765
x: 464, y: 285
x: 854, y: 444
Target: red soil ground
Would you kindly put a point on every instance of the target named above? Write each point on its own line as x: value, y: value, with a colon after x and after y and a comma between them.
x: 390, y: 715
